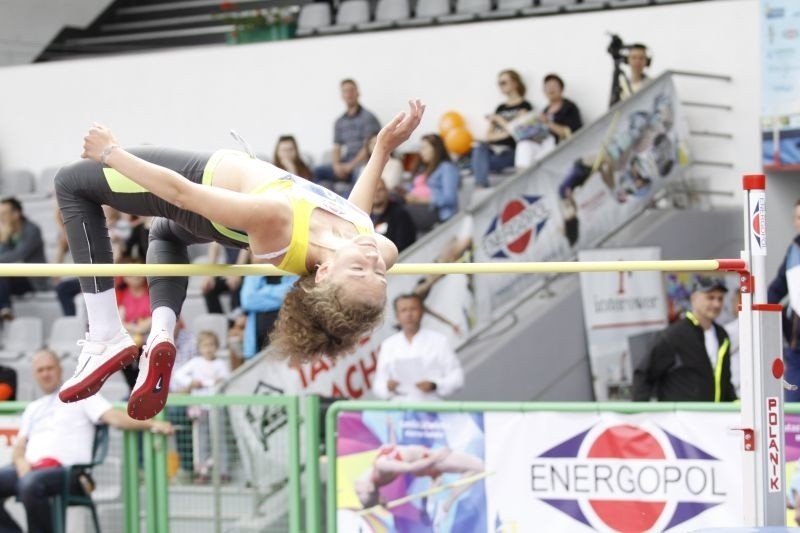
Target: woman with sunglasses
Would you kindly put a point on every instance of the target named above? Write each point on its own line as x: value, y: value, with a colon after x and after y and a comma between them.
x: 497, y: 152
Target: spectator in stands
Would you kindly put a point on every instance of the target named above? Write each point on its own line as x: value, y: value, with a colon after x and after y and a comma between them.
x: 54, y: 435
x: 287, y: 157
x: 778, y: 290
x: 561, y: 115
x: 433, y: 196
x: 134, y: 307
x: 393, y: 171
x: 261, y: 298
x: 497, y: 152
x: 561, y: 118
x: 215, y: 286
x: 416, y: 363
x: 351, y: 131
x: 201, y: 376
x: 690, y: 361
x: 20, y: 242
x: 391, y: 219
x: 139, y: 237
x: 638, y: 61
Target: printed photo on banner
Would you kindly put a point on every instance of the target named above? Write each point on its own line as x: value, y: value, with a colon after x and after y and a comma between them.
x: 411, y: 472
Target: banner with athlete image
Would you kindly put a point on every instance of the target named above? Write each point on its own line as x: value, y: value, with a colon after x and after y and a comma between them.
x: 618, y: 308
x: 581, y: 192
x: 411, y: 472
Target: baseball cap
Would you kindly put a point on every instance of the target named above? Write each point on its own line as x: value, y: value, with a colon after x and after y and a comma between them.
x: 707, y: 284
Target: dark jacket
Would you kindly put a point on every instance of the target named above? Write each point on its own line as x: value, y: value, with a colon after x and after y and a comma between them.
x: 778, y: 290
x: 678, y: 368
x: 27, y: 247
x: 396, y: 225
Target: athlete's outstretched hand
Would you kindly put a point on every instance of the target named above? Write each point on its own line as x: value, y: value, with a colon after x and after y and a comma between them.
x: 399, y: 129
x: 97, y: 141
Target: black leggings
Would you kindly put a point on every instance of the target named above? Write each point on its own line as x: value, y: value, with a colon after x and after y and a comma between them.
x: 84, y: 186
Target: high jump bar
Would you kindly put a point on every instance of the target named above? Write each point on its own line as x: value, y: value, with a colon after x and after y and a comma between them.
x: 555, y: 267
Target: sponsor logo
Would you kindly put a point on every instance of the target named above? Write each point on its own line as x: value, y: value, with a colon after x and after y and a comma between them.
x: 516, y: 228
x: 627, y: 478
x: 773, y: 445
x: 758, y: 228
x: 159, y: 384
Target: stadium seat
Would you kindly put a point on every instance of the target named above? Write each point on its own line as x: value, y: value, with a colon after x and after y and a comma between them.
x: 44, y: 183
x: 586, y: 5
x: 17, y: 182
x: 351, y: 13
x: 507, y: 8
x: 628, y: 3
x: 467, y: 10
x: 387, y: 14
x: 427, y: 13
x: 22, y: 335
x: 312, y: 18
x: 64, y: 334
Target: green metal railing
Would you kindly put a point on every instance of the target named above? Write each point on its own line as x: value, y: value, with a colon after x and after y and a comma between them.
x: 307, y: 516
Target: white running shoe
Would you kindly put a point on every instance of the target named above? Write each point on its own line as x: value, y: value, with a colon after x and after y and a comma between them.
x: 149, y: 395
x: 96, y: 362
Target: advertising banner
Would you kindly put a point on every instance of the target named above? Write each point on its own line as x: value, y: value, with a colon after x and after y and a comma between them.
x: 537, y: 471
x: 780, y: 80
x: 616, y: 307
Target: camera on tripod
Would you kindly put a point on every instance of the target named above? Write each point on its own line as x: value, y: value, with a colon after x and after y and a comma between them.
x: 618, y: 49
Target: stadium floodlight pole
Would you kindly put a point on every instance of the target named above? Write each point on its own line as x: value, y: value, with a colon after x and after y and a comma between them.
x: 761, y: 361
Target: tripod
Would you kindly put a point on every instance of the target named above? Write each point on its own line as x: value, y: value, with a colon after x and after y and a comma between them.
x: 616, y: 86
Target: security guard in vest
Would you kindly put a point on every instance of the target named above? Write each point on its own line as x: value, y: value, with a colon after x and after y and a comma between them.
x: 690, y: 360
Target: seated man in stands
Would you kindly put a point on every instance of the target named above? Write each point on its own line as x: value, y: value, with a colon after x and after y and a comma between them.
x: 54, y: 435
x: 416, y: 363
x: 20, y: 242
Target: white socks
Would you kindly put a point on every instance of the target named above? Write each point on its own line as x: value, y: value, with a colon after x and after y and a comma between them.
x: 163, y: 318
x: 103, y: 315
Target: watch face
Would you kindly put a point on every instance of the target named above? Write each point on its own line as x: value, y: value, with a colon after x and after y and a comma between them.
x: 350, y: 521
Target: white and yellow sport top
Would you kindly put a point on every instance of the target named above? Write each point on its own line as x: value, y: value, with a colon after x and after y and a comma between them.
x: 304, y: 196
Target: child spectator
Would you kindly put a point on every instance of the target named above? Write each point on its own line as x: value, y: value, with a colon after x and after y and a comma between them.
x: 200, y: 376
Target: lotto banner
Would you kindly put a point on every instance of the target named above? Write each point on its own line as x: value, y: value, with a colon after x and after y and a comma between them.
x: 617, y: 306
x: 544, y: 471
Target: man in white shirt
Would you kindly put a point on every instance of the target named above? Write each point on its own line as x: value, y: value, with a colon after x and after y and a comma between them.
x: 416, y: 364
x: 54, y: 435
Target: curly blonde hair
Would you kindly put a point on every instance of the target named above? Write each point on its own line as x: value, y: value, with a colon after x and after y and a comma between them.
x: 318, y: 319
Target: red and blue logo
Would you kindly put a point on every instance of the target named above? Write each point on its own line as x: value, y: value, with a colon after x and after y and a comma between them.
x: 628, y: 479
x: 520, y: 221
x: 757, y: 228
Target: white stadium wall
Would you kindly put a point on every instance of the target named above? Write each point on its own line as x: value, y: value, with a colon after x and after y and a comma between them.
x: 192, y: 97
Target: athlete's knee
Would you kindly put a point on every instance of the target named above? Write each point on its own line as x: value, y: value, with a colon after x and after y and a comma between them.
x: 68, y: 177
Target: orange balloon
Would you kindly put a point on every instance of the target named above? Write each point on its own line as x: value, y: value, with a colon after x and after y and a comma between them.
x: 458, y: 141
x: 450, y: 120
x: 6, y: 392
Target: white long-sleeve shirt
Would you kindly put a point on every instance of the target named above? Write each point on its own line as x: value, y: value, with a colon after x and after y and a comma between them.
x: 427, y: 357
x: 207, y: 372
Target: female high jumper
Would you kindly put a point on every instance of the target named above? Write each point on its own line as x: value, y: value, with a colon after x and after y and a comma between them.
x: 235, y: 200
